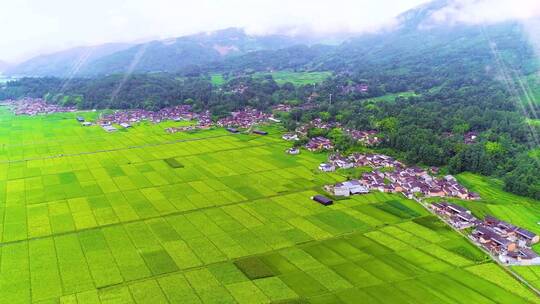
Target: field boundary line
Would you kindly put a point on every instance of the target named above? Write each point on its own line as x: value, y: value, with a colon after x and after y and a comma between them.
x: 115, y: 149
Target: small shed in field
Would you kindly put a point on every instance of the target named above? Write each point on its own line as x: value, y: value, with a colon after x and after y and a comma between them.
x: 323, y: 200
x: 259, y: 132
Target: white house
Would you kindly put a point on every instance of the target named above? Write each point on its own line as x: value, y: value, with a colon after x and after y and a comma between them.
x: 344, y: 164
x: 350, y: 187
x: 293, y: 151
x: 290, y: 136
x: 327, y: 167
x: 109, y: 128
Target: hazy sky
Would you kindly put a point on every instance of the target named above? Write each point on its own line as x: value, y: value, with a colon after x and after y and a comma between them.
x: 29, y: 27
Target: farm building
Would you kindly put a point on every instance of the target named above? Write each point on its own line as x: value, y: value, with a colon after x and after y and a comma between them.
x: 522, y: 256
x: 322, y: 200
x: 290, y: 137
x: 492, y: 240
x: 319, y: 143
x: 327, y: 167
x: 232, y: 130
x: 109, y: 128
x: 293, y: 151
x: 259, y: 132
x: 528, y: 236
x: 349, y: 188
x: 455, y: 215
x: 125, y: 125
x: 80, y: 118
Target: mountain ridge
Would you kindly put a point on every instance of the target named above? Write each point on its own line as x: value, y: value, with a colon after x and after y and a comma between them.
x: 65, y: 62
x: 167, y: 55
x: 233, y: 50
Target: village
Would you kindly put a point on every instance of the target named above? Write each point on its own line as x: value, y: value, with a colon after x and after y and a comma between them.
x: 177, y: 113
x: 245, y: 118
x: 469, y: 137
x: 392, y: 176
x: 509, y: 243
x: 204, y: 121
x: 321, y: 143
x: 35, y: 106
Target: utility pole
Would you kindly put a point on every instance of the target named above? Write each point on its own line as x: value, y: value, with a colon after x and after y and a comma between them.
x: 330, y: 98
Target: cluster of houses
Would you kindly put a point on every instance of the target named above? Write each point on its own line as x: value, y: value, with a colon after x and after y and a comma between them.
x: 36, y: 106
x: 410, y: 181
x: 355, y: 88
x: 244, y: 118
x: 368, y: 138
x: 288, y: 108
x: 414, y: 182
x: 239, y: 88
x: 204, y: 121
x: 314, y: 144
x: 469, y: 138
x: 316, y: 123
x: 282, y: 108
x: 510, y: 243
x: 376, y: 161
x: 126, y: 118
x: 177, y: 113
x: 319, y: 143
x: 455, y: 215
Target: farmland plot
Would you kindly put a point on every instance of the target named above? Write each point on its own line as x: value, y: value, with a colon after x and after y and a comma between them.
x: 93, y: 217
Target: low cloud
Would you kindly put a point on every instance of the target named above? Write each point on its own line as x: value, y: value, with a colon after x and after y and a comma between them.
x: 526, y: 12
x: 485, y: 11
x: 30, y: 27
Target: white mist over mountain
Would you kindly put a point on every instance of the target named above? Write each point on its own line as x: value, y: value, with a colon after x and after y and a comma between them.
x: 31, y: 27
x: 486, y: 11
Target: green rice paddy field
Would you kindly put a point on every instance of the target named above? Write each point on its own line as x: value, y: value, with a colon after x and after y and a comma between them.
x: 142, y: 216
x: 297, y: 78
